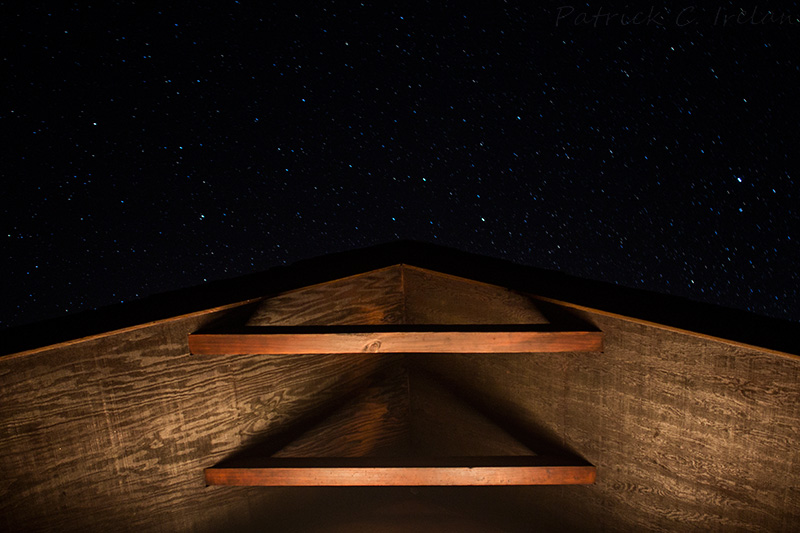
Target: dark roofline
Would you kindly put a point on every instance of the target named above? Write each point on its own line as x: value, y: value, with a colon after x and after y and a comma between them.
x: 672, y: 311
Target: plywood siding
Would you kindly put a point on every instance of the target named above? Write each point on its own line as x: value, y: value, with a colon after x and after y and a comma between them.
x: 434, y: 298
x: 373, y: 423
x: 113, y: 434
x: 375, y: 298
x: 687, y: 433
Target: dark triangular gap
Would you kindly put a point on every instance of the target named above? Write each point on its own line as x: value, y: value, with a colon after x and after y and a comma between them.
x: 233, y: 319
x: 563, y: 318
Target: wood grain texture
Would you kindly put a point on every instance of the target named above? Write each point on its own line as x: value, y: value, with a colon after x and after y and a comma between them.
x: 114, y: 433
x: 687, y: 434
x: 436, y: 298
x: 376, y: 440
x: 406, y: 473
x: 373, y: 423
x: 374, y: 297
x: 498, y: 341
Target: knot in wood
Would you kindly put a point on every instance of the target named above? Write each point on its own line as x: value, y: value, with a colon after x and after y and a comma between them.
x: 373, y: 347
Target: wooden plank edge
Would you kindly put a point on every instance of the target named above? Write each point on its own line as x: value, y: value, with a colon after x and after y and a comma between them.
x: 665, y: 327
x: 395, y: 476
x: 395, y: 342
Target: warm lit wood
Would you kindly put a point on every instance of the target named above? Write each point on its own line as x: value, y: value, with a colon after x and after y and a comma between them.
x: 318, y: 342
x: 688, y: 433
x: 375, y: 439
x: 374, y: 297
x: 386, y: 472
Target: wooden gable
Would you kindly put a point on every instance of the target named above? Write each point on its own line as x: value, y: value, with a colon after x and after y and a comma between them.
x: 688, y: 431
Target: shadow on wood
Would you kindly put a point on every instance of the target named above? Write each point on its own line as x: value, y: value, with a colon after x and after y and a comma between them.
x: 376, y: 438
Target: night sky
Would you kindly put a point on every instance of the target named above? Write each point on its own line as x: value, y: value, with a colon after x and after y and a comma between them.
x: 147, y: 149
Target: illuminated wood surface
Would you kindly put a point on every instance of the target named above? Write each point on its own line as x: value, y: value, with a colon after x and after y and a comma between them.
x: 112, y: 432
x: 395, y: 342
x: 375, y: 439
x: 386, y: 472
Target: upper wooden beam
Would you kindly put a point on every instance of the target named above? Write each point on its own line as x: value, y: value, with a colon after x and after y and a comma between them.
x: 434, y: 341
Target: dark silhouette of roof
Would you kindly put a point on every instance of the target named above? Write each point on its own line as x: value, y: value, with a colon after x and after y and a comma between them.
x: 730, y: 324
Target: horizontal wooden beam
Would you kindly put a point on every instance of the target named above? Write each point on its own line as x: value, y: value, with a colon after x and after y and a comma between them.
x: 454, y: 341
x: 406, y: 472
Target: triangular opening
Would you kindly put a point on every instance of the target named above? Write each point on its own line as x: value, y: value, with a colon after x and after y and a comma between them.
x: 410, y: 428
x: 400, y: 309
x: 401, y: 433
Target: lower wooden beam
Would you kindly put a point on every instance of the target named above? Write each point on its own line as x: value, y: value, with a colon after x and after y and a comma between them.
x: 384, y: 473
x: 499, y: 341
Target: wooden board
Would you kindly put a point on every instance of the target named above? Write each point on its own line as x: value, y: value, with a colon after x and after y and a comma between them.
x: 497, y: 341
x: 387, y: 472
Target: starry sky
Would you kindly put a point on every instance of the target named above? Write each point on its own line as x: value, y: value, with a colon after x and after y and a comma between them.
x: 147, y: 149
